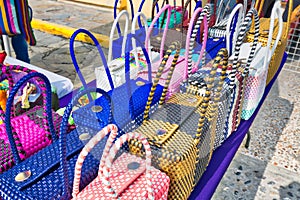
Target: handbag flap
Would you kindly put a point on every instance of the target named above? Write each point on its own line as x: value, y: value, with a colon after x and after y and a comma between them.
x: 125, y: 170
x: 41, y: 163
x: 167, y: 120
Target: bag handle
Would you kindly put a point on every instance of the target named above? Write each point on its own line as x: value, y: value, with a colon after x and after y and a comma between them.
x: 172, y: 47
x: 237, y: 9
x: 109, y: 129
x: 168, y: 8
x: 46, y: 93
x: 111, y: 36
x: 277, y: 10
x: 7, y: 71
x: 220, y: 60
x: 242, y: 33
x: 73, y: 57
x: 113, y: 152
x: 219, y: 14
x: 191, y: 37
x: 134, y: 47
x: 63, y: 172
x: 115, y: 14
x: 140, y: 10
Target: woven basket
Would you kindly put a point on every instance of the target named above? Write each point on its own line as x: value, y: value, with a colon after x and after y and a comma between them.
x: 127, y: 177
x: 49, y: 173
x: 263, y: 39
x: 181, y: 134
x: 31, y: 131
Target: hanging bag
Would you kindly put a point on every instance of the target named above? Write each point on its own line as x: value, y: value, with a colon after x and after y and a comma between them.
x: 49, y: 173
x: 258, y: 72
x: 127, y: 177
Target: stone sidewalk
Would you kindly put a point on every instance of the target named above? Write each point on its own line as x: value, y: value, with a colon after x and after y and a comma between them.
x: 269, y: 169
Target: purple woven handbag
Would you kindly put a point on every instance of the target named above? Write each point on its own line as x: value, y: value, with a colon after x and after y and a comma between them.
x: 32, y: 130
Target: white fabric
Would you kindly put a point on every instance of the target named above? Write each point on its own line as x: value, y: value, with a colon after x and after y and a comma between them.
x: 63, y: 85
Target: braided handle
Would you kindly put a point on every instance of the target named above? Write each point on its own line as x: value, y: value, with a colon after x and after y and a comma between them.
x: 192, y: 33
x: 7, y: 71
x: 115, y: 14
x: 168, y: 8
x: 113, y: 151
x: 46, y: 91
x: 240, y: 40
x: 221, y: 59
x: 113, y: 130
x: 111, y: 36
x: 160, y: 70
x: 73, y: 57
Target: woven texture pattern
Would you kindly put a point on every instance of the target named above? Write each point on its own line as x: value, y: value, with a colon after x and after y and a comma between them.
x: 263, y: 38
x: 26, y: 135
x: 52, y: 168
x: 118, y: 178
x: 179, y: 145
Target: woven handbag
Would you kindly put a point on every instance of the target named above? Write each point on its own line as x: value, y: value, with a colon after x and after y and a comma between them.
x: 181, y: 142
x: 130, y: 98
x: 256, y: 81
x: 32, y: 131
x: 229, y: 108
x: 264, y: 32
x: 49, y: 173
x: 128, y: 177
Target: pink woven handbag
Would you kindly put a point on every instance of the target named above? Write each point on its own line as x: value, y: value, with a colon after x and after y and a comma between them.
x: 131, y: 176
x: 29, y: 135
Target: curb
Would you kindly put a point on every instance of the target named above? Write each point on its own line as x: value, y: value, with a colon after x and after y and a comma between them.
x: 65, y: 31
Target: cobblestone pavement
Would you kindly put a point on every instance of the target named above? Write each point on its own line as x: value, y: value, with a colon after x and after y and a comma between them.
x: 269, y: 169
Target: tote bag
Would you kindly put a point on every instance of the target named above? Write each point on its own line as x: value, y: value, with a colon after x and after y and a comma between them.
x: 49, y: 173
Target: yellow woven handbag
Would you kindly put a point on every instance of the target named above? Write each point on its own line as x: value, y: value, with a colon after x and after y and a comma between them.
x: 263, y: 38
x: 181, y: 130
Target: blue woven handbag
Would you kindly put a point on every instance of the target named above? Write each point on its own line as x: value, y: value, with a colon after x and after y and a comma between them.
x: 129, y: 99
x: 49, y: 173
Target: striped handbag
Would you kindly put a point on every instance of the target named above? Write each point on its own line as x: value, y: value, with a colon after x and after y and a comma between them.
x: 256, y: 81
x: 264, y: 32
x: 32, y: 130
x: 181, y: 134
x: 49, y: 173
x: 125, y: 178
x: 129, y: 98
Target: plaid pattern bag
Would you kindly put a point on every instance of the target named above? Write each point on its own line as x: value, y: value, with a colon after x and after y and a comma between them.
x: 31, y: 131
x: 179, y: 134
x: 125, y: 178
x: 49, y: 173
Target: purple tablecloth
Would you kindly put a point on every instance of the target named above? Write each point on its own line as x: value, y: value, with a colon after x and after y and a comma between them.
x: 223, y: 155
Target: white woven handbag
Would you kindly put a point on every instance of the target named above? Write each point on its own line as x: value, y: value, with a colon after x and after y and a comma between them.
x: 256, y: 81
